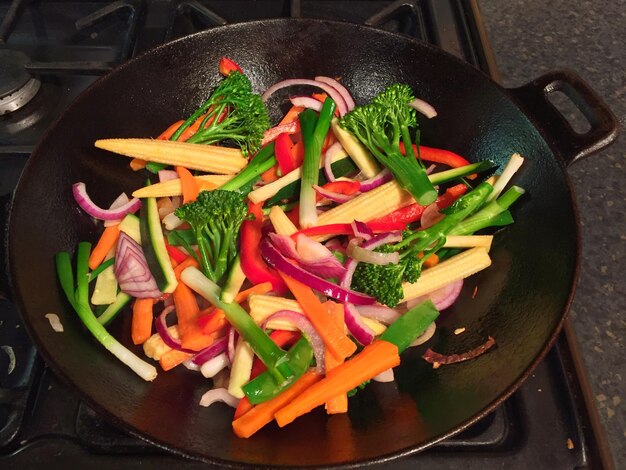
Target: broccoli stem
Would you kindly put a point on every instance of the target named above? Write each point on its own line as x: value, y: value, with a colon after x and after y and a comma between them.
x: 314, y: 132
x: 495, y: 213
x: 260, y: 163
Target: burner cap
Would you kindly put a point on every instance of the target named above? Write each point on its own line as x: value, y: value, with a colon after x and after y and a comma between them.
x: 17, y: 87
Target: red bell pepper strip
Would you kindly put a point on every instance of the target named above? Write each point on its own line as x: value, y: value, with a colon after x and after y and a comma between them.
x: 271, y: 134
x: 282, y: 338
x: 330, y: 229
x: 227, y: 66
x: 341, y: 187
x: 252, y: 264
x: 176, y: 254
x: 399, y: 219
x: 285, y: 151
x: 435, y: 155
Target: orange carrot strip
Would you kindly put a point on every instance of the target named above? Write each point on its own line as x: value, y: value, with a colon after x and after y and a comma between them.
x: 205, y: 185
x: 104, y: 245
x: 137, y: 164
x: 217, y: 316
x: 339, y: 403
x: 291, y: 115
x: 141, y: 328
x: 169, y: 132
x: 371, y: 361
x: 242, y: 408
x: 334, y: 338
x: 188, y: 312
x: 184, y: 265
x: 260, y: 415
x: 189, y: 184
x: 432, y: 260
x: 270, y: 175
x: 172, y: 358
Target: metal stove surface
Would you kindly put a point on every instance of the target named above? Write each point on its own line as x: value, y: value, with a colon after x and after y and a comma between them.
x: 546, y: 424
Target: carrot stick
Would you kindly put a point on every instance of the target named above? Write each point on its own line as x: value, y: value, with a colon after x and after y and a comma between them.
x: 260, y: 415
x: 188, y: 312
x: 270, y: 175
x: 184, y: 265
x: 339, y: 403
x: 291, y: 115
x: 141, y: 328
x: 172, y: 358
x: 242, y: 408
x: 334, y: 338
x: 137, y: 164
x: 106, y: 242
x: 169, y: 132
x: 371, y: 361
x: 188, y: 184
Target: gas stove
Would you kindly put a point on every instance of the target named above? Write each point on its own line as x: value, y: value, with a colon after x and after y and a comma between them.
x: 50, y: 51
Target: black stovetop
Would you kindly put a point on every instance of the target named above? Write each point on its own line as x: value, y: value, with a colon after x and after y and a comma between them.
x: 547, y: 423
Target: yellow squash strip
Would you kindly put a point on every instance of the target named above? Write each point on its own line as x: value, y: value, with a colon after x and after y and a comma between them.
x: 209, y: 158
x: 262, y: 306
x: 469, y: 241
x: 458, y: 267
x: 281, y: 223
x: 269, y: 190
x: 359, y: 154
x: 173, y: 187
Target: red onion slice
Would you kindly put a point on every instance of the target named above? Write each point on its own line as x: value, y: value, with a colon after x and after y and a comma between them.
x: 333, y: 196
x: 306, y: 102
x: 382, y: 313
x: 307, y: 329
x: 218, y: 394
x: 231, y: 344
x: 79, y: 190
x: 361, y: 230
x: 359, y: 330
x: 164, y: 332
x: 132, y: 271
x: 119, y: 202
x: 381, y: 178
x: 433, y: 357
x: 430, y: 216
x: 365, y: 255
x: 423, y: 107
x: 278, y: 261
x: 442, y: 298
x: 332, y: 92
x: 208, y: 353
x: 285, y: 244
x: 343, y: 91
x: 328, y: 160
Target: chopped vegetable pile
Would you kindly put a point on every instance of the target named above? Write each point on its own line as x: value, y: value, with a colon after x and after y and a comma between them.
x: 266, y: 257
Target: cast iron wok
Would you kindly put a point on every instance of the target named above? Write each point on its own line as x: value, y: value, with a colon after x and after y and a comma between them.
x: 521, y: 300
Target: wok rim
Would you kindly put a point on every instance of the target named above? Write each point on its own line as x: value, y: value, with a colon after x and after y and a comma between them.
x: 383, y: 458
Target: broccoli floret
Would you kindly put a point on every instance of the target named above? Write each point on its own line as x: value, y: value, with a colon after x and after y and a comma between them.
x: 232, y: 113
x: 215, y: 218
x: 381, y: 126
x: 384, y: 282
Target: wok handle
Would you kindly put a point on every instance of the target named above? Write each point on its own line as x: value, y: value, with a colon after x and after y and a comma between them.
x: 571, y: 145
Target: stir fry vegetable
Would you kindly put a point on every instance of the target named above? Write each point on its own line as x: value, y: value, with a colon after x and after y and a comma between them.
x: 306, y: 262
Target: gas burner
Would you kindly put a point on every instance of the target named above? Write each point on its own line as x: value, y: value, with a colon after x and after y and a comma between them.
x: 17, y: 86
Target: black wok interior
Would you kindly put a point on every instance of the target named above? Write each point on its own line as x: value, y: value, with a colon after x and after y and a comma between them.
x: 521, y: 299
